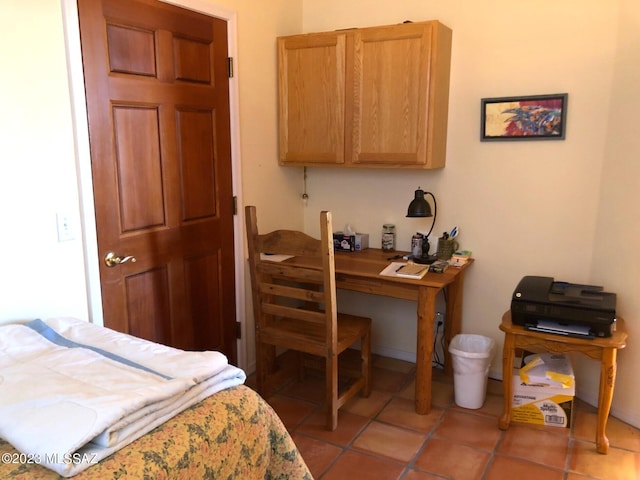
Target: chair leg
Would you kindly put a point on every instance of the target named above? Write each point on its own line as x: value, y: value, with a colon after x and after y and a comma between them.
x: 331, y: 380
x: 365, y: 357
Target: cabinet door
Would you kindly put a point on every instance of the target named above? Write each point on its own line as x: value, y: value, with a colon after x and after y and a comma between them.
x: 311, y: 104
x: 400, y: 99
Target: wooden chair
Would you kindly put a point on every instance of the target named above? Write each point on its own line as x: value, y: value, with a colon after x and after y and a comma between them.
x: 294, y: 306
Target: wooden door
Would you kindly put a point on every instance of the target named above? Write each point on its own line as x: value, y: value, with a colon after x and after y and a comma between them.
x: 158, y: 107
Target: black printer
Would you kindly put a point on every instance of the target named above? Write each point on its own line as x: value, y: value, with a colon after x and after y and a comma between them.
x: 542, y: 304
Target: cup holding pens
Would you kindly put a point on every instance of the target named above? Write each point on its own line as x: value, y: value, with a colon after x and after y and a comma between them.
x: 446, y: 247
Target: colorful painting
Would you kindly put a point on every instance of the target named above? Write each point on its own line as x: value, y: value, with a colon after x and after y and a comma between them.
x: 536, y: 117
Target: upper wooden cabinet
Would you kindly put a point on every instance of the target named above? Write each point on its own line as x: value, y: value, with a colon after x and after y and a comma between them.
x: 369, y: 97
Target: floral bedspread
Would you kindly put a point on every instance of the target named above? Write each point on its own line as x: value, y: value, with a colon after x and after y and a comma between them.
x: 234, y: 434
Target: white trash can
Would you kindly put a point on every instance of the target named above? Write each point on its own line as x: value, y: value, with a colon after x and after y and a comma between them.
x: 471, y: 356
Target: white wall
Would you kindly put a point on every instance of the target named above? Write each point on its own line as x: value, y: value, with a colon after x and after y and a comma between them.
x: 39, y: 276
x: 616, y: 258
x: 524, y: 208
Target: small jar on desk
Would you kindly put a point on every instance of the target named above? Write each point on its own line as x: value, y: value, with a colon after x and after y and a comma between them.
x: 388, y: 237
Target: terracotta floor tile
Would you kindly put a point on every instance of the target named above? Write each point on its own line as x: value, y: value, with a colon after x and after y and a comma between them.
x: 409, y: 392
x: 618, y: 464
x: 506, y: 467
x: 356, y: 466
x: 389, y: 441
x: 442, y: 394
x: 493, y: 406
x: 417, y: 475
x: 555, y: 430
x: 368, y: 407
x: 453, y: 460
x: 317, y: 454
x: 585, y: 419
x: 291, y: 410
x: 349, y: 425
x: 381, y: 437
x: 620, y: 434
x: 402, y: 412
x: 494, y: 387
x: 438, y: 375
x: 577, y: 476
x: 388, y: 380
x: 311, y: 388
x: 393, y: 364
x: 535, y: 445
x: 468, y: 428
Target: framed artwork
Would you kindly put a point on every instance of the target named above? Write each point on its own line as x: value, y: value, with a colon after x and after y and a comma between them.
x: 533, y: 117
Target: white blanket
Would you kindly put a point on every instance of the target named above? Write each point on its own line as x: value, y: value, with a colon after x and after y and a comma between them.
x: 68, y: 406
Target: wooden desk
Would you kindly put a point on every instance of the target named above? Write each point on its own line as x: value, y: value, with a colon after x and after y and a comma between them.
x: 360, y: 272
x: 602, y: 349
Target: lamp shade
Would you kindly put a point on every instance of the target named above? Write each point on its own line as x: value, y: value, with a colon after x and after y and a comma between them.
x: 419, y: 207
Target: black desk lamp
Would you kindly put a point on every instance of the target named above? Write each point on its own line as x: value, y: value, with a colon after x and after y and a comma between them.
x: 419, y: 207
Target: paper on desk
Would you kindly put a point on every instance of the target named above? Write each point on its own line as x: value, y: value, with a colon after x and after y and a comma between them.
x: 394, y: 269
x: 274, y: 257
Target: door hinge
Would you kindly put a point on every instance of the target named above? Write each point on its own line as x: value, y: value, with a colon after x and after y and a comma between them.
x: 238, y: 330
x: 235, y: 205
x: 230, y: 66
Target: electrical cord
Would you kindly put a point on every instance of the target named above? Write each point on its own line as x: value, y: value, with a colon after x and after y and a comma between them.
x: 436, y: 361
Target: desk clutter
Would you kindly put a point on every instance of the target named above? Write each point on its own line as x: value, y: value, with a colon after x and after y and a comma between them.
x: 405, y: 270
x: 460, y: 258
x: 413, y: 270
x: 350, y: 241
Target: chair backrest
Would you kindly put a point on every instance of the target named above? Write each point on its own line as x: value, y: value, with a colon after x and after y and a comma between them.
x: 303, y: 288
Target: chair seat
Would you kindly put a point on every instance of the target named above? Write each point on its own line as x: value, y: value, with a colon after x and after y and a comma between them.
x: 311, y: 338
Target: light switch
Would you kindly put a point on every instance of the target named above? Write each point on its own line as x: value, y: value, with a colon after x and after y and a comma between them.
x: 65, y: 227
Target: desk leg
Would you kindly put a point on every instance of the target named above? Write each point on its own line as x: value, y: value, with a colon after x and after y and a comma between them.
x: 507, y: 385
x: 453, y: 324
x: 424, y: 347
x: 607, y: 382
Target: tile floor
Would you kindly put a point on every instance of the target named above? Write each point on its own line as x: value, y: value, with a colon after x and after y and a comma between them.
x: 381, y: 437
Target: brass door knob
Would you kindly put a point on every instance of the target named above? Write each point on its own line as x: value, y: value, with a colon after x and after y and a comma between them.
x: 111, y: 259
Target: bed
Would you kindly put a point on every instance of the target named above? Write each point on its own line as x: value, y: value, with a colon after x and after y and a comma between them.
x: 234, y: 434
x: 230, y: 433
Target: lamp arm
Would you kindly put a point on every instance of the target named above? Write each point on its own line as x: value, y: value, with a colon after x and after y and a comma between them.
x: 435, y: 212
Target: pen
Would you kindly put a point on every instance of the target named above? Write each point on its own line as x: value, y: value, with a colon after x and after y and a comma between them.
x: 395, y: 257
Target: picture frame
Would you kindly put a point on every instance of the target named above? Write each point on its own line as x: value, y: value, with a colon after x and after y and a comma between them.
x: 529, y: 117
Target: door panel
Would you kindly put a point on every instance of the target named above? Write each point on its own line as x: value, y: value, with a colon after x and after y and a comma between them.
x: 195, y: 151
x: 131, y: 50
x: 147, y: 297
x: 201, y: 278
x: 158, y: 108
x: 138, y: 167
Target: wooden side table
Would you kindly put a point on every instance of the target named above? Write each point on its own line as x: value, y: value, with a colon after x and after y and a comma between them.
x: 603, y: 349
